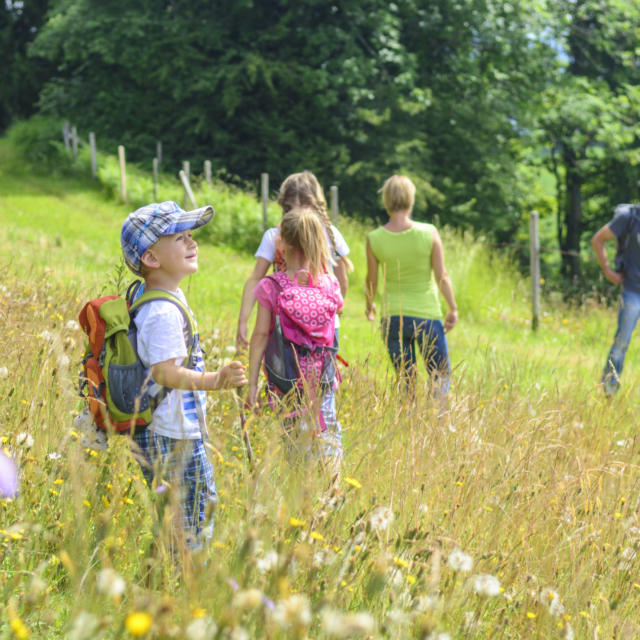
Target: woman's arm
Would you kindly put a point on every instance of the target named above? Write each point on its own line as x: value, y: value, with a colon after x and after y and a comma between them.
x: 371, y: 282
x: 258, y: 344
x: 248, y: 300
x: 443, y: 281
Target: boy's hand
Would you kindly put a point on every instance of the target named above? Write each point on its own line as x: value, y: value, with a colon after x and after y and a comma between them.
x: 232, y: 375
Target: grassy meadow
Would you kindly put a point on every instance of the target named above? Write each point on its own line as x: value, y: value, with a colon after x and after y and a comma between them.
x: 514, y: 515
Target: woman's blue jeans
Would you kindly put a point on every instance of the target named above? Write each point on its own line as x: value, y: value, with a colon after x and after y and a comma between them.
x: 628, y: 315
x: 402, y: 334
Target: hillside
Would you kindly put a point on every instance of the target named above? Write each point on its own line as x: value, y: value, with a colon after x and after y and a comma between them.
x: 530, y: 472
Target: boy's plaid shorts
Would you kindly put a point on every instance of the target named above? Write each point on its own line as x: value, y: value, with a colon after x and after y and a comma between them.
x: 167, y: 459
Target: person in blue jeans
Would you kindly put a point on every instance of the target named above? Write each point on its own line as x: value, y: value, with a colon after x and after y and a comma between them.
x: 412, y: 260
x: 625, y: 228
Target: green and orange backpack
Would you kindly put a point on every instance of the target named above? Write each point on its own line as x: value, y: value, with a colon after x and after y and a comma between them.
x: 113, y: 380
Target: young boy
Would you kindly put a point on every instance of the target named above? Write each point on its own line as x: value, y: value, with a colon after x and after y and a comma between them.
x: 158, y: 246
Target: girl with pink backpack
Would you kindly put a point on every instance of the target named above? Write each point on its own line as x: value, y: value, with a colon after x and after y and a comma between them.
x: 294, y: 336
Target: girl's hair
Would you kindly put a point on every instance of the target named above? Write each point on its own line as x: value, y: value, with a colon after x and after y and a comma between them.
x: 303, y: 190
x: 398, y: 193
x: 302, y: 230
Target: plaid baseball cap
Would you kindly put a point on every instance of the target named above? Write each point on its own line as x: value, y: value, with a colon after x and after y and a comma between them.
x: 146, y: 225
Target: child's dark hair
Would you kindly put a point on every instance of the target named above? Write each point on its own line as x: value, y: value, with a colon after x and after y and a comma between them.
x: 301, y: 229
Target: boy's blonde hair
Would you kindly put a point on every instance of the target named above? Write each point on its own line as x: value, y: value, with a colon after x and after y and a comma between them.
x: 302, y: 230
x: 398, y: 194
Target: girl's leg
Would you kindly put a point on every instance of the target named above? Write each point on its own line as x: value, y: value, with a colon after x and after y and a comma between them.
x: 329, y: 441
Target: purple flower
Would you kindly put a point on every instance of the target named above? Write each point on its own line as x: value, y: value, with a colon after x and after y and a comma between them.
x: 8, y: 477
x: 161, y: 488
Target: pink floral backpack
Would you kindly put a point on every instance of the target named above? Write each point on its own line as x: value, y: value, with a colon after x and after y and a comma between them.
x: 301, y: 349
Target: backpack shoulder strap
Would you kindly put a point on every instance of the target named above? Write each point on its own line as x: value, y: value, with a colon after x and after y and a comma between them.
x: 158, y: 294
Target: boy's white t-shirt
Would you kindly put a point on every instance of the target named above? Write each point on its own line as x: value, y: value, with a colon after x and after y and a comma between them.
x: 267, y: 248
x: 162, y: 335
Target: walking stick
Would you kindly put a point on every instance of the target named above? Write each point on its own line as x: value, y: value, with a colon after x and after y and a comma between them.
x: 243, y: 425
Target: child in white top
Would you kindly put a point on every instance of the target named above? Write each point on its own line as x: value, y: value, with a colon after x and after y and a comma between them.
x: 298, y: 190
x: 157, y: 244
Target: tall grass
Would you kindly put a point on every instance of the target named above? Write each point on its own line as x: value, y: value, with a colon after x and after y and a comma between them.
x: 511, y: 515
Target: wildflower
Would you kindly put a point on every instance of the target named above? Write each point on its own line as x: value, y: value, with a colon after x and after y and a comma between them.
x: 72, y: 325
x: 138, y: 623
x: 84, y: 626
x: 46, y: 336
x: 63, y: 360
x: 550, y: 599
x: 54, y: 455
x: 111, y: 583
x: 294, y: 612
x: 4, y: 373
x: 248, y: 599
x: 438, y: 635
x: 396, y: 618
x: 8, y: 477
x: 25, y: 439
x: 268, y: 562
x: 230, y: 350
x: 339, y: 625
x: 485, y: 584
x: 460, y: 561
x: 201, y: 629
x: 381, y: 519
x: 353, y: 482
x: 296, y: 522
x: 568, y: 634
x: 628, y: 555
x: 239, y: 633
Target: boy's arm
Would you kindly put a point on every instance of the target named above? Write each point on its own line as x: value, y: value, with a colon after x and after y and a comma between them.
x: 371, y: 282
x: 597, y: 242
x: 248, y: 300
x: 169, y: 374
x: 443, y: 281
x: 258, y: 344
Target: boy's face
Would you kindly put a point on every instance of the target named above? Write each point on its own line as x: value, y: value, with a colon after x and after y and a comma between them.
x: 175, y: 255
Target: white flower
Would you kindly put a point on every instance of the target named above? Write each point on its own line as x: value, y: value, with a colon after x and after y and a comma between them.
x: 248, y: 599
x: 550, y: 599
x: 381, y: 519
x: 84, y: 626
x: 428, y: 603
x: 4, y: 373
x: 268, y: 562
x: 63, y: 360
x: 628, y: 555
x: 72, y: 325
x: 293, y: 612
x: 201, y: 629
x: 111, y: 583
x: 54, y: 455
x: 486, y: 584
x: 438, y: 635
x: 47, y: 336
x: 339, y: 625
x: 460, y: 561
x: 239, y: 633
x: 25, y: 440
x: 397, y: 618
x: 568, y: 634
x: 230, y: 350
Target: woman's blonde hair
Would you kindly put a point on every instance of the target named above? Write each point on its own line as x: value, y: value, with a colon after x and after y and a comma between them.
x: 302, y: 230
x: 398, y: 194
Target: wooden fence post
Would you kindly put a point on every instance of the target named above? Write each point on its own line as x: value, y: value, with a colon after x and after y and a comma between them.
x: 66, y: 135
x: 334, y: 204
x: 207, y: 172
x: 74, y: 141
x: 534, y: 253
x: 94, y: 162
x: 159, y: 152
x: 187, y: 188
x: 123, y: 173
x: 264, y: 189
x: 186, y: 167
x: 155, y: 179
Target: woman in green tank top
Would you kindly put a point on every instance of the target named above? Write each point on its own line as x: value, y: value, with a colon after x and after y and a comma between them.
x: 413, y: 270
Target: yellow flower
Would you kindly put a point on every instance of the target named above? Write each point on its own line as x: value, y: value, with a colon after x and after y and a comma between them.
x: 317, y: 536
x: 531, y: 615
x: 353, y: 482
x: 199, y: 612
x: 19, y: 628
x: 295, y: 522
x: 138, y: 623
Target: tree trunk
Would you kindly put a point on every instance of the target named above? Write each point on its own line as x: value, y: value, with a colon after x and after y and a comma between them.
x: 573, y: 219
